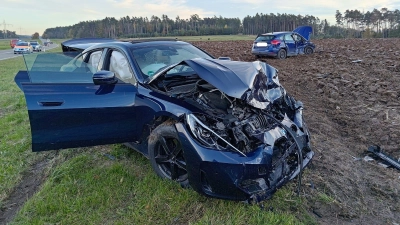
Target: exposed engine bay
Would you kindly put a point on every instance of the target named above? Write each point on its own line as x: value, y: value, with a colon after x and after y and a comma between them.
x: 241, y: 107
x: 245, y: 123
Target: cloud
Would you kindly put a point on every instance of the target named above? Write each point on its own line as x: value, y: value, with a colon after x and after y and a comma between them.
x: 52, y: 13
x: 158, y: 7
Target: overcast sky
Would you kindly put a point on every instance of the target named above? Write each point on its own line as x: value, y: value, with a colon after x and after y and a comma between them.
x: 27, y: 17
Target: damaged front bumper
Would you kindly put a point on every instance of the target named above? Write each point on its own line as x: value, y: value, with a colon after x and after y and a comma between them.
x: 253, y: 177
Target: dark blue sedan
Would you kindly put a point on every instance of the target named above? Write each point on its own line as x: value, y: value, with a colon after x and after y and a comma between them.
x: 283, y: 44
x: 227, y: 129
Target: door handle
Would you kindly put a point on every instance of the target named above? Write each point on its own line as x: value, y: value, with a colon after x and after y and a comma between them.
x: 50, y: 103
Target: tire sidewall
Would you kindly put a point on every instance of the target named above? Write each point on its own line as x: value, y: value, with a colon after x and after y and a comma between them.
x: 308, y: 51
x: 162, y: 130
x: 280, y: 52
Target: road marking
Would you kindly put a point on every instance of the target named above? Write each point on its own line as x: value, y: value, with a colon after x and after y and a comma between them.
x: 10, y: 57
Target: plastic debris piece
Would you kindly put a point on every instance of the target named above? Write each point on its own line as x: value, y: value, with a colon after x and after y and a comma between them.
x: 383, y: 165
x: 317, y: 213
x: 368, y: 158
x: 109, y: 156
x: 356, y: 61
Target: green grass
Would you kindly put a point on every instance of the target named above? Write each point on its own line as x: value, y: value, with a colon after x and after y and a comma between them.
x: 210, y: 38
x: 5, y: 44
x: 89, y: 188
x: 83, y: 186
x: 15, y: 137
x: 218, y: 38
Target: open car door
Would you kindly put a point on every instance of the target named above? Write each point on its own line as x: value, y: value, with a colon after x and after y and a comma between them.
x: 66, y: 109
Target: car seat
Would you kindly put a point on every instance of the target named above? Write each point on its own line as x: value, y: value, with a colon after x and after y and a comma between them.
x: 162, y: 57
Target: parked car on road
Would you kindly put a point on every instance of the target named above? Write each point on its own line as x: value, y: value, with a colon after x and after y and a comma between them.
x: 47, y: 42
x: 284, y: 44
x: 36, y: 46
x: 13, y: 42
x: 23, y: 47
x: 227, y: 129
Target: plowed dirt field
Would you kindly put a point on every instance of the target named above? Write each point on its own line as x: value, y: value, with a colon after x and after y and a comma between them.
x: 351, y: 90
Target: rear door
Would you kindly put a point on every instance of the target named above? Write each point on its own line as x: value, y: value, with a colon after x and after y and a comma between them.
x: 66, y: 109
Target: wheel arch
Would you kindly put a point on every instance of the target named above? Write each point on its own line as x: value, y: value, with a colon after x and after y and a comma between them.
x: 148, y: 126
x: 285, y: 48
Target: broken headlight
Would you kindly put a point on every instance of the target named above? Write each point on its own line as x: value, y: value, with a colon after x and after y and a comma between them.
x: 207, y: 136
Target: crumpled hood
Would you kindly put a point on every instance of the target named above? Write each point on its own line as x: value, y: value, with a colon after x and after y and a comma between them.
x: 255, y: 82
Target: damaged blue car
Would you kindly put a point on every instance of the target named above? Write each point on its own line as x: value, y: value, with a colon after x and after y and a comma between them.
x: 227, y: 129
x: 283, y: 44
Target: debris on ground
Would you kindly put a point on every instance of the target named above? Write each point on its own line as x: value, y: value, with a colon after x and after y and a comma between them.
x: 376, y: 150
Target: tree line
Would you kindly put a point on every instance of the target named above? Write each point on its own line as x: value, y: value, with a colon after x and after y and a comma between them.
x: 352, y: 23
x: 375, y: 23
x: 8, y: 34
x: 133, y: 27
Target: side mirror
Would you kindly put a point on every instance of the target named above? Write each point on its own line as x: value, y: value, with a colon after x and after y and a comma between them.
x: 104, y: 77
x: 224, y: 58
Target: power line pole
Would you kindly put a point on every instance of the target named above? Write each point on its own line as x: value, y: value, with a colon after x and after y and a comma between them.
x: 5, y: 28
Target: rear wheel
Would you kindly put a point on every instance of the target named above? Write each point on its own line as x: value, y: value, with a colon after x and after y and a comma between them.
x: 166, y: 154
x: 308, y: 50
x: 281, y: 54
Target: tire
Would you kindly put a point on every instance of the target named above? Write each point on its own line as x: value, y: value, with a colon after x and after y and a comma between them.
x: 281, y: 54
x: 257, y: 56
x: 166, y: 154
x: 308, y: 51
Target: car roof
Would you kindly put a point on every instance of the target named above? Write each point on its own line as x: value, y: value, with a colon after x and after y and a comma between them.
x: 136, y: 44
x: 277, y: 33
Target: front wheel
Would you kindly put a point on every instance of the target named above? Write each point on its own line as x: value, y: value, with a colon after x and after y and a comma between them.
x: 308, y: 51
x: 166, y: 154
x: 281, y: 54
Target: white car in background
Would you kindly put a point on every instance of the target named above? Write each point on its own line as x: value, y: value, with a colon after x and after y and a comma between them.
x: 23, y: 47
x: 36, y: 46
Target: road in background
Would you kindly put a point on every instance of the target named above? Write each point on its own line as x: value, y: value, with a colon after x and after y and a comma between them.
x: 9, y: 53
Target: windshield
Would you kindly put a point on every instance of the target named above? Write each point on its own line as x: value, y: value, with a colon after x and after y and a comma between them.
x: 22, y: 44
x: 34, y: 43
x: 265, y: 38
x: 153, y: 58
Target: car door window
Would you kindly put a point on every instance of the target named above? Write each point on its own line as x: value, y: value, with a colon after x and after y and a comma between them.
x: 297, y: 38
x: 289, y: 38
x: 119, y: 64
x: 58, y: 68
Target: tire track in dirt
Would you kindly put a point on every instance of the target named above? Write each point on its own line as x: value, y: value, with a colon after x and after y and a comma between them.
x: 31, y: 182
